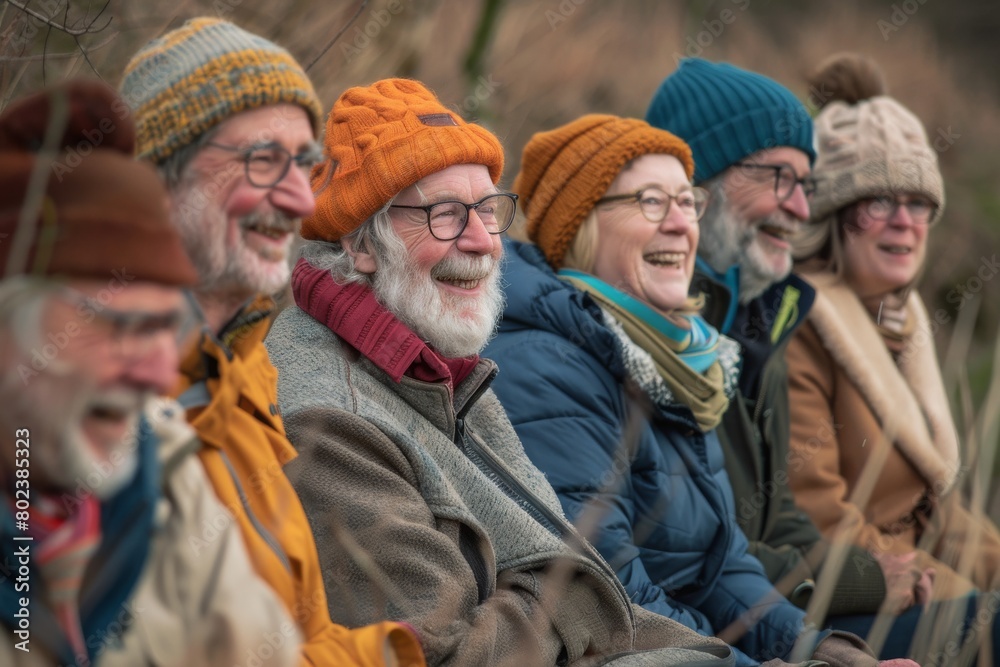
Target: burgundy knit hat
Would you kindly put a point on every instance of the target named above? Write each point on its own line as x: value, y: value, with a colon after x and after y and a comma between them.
x: 74, y: 202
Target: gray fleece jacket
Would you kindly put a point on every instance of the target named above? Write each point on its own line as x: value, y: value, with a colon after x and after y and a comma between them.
x: 426, y: 510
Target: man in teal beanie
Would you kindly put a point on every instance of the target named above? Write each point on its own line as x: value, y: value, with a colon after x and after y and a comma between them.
x: 752, y: 143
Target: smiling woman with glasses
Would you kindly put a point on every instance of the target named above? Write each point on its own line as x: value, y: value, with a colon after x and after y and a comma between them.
x: 616, y: 384
x: 864, y: 361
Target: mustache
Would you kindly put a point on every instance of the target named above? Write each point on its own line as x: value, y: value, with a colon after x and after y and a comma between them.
x: 272, y: 220
x: 463, y: 267
x: 778, y: 219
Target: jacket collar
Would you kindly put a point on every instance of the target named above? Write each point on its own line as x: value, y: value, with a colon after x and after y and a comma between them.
x: 785, y: 304
x: 908, y: 399
x: 354, y: 313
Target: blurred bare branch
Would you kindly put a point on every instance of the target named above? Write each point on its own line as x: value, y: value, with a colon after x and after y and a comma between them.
x: 63, y: 27
x: 329, y: 45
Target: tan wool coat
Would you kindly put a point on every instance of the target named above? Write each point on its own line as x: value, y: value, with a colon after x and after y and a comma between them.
x: 874, y: 451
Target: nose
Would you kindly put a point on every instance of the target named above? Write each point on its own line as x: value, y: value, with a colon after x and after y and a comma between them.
x: 675, y: 221
x: 475, y: 238
x: 797, y: 205
x: 293, y: 194
x: 155, y: 368
x: 901, y: 216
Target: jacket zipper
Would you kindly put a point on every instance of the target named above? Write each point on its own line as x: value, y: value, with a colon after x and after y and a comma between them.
x: 484, y: 460
x: 258, y: 526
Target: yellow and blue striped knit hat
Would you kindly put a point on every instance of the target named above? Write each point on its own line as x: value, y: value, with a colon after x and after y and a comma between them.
x: 191, y: 79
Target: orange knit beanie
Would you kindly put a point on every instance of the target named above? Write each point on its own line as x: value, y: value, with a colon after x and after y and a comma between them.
x: 382, y: 139
x: 566, y: 170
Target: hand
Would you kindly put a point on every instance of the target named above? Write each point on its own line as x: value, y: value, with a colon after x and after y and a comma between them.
x: 901, y: 578
x: 898, y: 662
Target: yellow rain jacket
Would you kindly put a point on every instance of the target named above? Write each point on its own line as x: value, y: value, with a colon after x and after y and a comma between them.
x: 229, y: 389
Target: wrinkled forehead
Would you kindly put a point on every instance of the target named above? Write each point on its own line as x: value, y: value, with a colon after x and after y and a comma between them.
x: 462, y: 182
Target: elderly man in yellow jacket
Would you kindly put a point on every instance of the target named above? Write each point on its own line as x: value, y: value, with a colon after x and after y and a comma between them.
x: 231, y: 120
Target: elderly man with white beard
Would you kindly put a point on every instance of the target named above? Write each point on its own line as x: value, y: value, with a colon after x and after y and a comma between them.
x: 424, y: 505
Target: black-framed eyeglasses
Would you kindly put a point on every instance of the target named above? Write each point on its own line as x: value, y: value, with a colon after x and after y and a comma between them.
x: 655, y: 203
x: 446, y: 220
x: 884, y: 207
x: 267, y: 164
x: 785, y: 179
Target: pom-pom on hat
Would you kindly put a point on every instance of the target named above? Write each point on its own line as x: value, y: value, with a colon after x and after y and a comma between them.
x: 868, y: 143
x: 566, y: 170
x: 726, y: 113
x: 186, y: 82
x: 74, y: 202
x: 380, y: 140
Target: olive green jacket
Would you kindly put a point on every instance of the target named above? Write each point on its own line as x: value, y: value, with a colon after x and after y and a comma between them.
x: 755, y: 433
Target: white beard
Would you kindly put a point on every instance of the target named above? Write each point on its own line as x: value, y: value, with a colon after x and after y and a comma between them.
x: 52, y: 406
x: 454, y: 326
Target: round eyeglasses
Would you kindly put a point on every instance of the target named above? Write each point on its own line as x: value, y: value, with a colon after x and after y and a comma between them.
x: 446, y: 220
x: 785, y: 179
x: 655, y: 203
x: 267, y: 164
x: 884, y: 207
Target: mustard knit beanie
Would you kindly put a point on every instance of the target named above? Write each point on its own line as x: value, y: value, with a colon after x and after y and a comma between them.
x: 191, y: 79
x: 566, y: 170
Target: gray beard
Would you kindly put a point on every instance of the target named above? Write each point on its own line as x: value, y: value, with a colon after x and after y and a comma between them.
x: 727, y: 239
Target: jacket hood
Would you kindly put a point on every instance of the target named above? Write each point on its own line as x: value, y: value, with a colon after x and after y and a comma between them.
x: 537, y: 299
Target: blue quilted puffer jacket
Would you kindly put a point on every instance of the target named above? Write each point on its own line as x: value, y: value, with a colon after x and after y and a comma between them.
x: 664, y: 511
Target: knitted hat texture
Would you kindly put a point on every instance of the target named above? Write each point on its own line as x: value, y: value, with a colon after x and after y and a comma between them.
x: 74, y: 202
x: 191, y: 79
x: 872, y: 147
x: 726, y: 113
x: 382, y: 139
x: 566, y: 170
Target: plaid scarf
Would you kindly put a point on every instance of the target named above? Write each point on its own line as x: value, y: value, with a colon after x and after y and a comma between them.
x: 67, y: 538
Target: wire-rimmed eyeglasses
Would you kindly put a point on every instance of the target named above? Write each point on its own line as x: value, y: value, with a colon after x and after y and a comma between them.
x: 884, y: 207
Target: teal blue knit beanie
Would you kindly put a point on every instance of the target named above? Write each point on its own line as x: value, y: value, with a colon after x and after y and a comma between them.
x: 725, y: 113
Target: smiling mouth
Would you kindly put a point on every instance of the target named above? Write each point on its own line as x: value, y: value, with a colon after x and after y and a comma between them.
x: 666, y: 259
x: 113, y: 408
x: 461, y: 283
x: 896, y: 249
x: 268, y: 231
x: 782, y: 233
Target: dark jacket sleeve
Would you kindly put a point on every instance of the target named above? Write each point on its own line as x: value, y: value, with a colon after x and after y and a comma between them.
x: 782, y: 536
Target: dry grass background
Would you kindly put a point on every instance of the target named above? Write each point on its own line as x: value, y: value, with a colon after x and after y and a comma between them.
x: 545, y: 62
